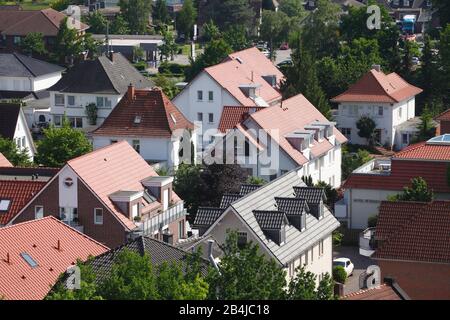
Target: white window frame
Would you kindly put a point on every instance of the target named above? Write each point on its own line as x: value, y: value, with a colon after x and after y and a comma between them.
x: 68, y: 101
x: 136, y: 144
x: 36, y: 209
x: 199, y: 95
x: 210, y: 117
x: 210, y: 96
x: 98, y: 222
x: 59, y: 95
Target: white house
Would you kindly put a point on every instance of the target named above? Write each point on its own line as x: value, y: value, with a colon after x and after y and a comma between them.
x: 13, y: 126
x: 101, y: 82
x: 293, y: 135
x: 286, y: 219
x: 151, y: 124
x: 388, y: 100
x: 244, y: 78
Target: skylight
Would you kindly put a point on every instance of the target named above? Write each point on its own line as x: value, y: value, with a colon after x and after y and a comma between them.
x: 4, y: 204
x: 443, y: 140
x: 173, y: 118
x: 28, y: 259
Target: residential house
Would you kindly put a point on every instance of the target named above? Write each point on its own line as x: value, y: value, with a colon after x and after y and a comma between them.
x: 413, y: 246
x: 25, y: 78
x: 291, y: 135
x: 4, y: 162
x: 373, y: 182
x: 287, y: 220
x: 111, y: 195
x: 151, y: 123
x: 389, y: 290
x: 18, y: 186
x: 13, y: 126
x: 101, y: 82
x: 421, y: 10
x: 245, y: 78
x: 16, y: 24
x: 443, y: 120
x: 35, y: 253
x: 388, y: 100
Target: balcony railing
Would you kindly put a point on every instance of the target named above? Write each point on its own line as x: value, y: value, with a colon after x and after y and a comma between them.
x: 367, y: 243
x: 75, y: 225
x: 158, y: 222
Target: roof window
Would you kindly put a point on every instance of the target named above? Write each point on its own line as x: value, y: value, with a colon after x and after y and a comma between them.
x: 28, y: 259
x: 4, y: 205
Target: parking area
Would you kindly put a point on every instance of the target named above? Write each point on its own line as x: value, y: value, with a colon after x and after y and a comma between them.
x: 360, y: 262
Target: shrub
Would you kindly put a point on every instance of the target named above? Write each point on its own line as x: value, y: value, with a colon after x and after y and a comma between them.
x: 141, y: 65
x: 171, y: 68
x: 337, y: 238
x: 339, y: 274
x: 372, y: 221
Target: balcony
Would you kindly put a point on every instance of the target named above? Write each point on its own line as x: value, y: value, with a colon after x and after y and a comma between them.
x: 76, y: 225
x: 367, y: 242
x: 160, y: 221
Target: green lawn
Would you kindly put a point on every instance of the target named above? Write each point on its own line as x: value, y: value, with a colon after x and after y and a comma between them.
x: 28, y: 4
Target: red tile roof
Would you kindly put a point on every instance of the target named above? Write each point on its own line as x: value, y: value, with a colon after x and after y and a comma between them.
x: 383, y: 292
x: 19, y: 193
x: 39, y: 239
x: 117, y: 167
x: 243, y: 68
x: 4, y: 162
x: 158, y: 116
x: 22, y: 22
x: 424, y: 237
x: 375, y: 86
x: 232, y: 115
x: 294, y: 114
x: 425, y: 151
x: 444, y: 116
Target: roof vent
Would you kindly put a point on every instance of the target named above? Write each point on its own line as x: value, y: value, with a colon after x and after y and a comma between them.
x: 137, y: 119
x: 240, y: 60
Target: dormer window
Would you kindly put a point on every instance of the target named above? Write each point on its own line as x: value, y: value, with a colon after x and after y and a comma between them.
x: 273, y: 224
x: 4, y: 205
x: 249, y: 90
x: 137, y: 119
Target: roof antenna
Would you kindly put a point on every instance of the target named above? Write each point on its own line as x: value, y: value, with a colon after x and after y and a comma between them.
x: 58, y: 246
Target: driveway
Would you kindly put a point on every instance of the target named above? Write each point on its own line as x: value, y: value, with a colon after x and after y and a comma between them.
x: 360, y: 262
x: 282, y: 55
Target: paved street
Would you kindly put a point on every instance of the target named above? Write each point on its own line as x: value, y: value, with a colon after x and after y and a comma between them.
x: 282, y: 55
x: 361, y: 263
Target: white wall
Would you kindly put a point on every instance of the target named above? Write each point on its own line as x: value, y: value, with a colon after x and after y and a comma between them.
x: 46, y: 81
x: 68, y: 196
x: 22, y: 136
x: 29, y: 83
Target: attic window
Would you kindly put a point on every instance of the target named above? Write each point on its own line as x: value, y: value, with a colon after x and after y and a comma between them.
x: 28, y: 259
x: 173, y: 118
x: 4, y: 205
x: 137, y: 120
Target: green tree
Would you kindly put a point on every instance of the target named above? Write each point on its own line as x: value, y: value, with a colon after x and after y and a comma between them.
x: 11, y: 152
x: 351, y: 161
x: 339, y: 274
x: 418, y: 191
x: 97, y: 22
x: 160, y: 13
x: 68, y: 43
x: 325, y: 291
x: 227, y: 13
x: 34, y: 43
x: 302, y: 286
x: 188, y: 185
x: 59, y: 5
x: 366, y: 128
x: 292, y: 8
x: 443, y: 7
x: 272, y: 27
x: 120, y: 25
x: 426, y: 128
x: 236, y: 37
x: 168, y: 86
x: 136, y: 13
x: 256, y: 180
x: 186, y: 18
x: 330, y: 192
x: 169, y: 47
x: 430, y: 76
x: 444, y: 62
x: 210, y: 31
x: 60, y: 145
x: 246, y: 274
x: 302, y: 78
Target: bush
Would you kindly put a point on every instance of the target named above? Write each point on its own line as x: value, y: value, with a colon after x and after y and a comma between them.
x: 171, y: 68
x: 372, y: 221
x: 337, y: 238
x: 339, y: 274
x: 141, y: 65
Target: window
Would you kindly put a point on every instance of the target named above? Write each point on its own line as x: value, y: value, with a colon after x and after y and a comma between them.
x: 199, y: 116
x: 38, y: 212
x: 380, y: 111
x: 181, y: 229
x: 59, y: 99
x: 137, y: 146
x: 312, y: 254
x: 400, y: 112
x: 210, y: 96
x: 211, y: 117
x: 113, y: 141
x: 17, y: 40
x: 347, y: 132
x: 247, y: 151
x: 353, y: 111
x: 107, y: 102
x: 242, y: 239
x: 71, y: 101
x: 199, y: 95
x: 405, y: 138
x: 57, y: 120
x: 321, y: 247
x: 76, y: 122
x: 68, y: 214
x: 100, y: 102
x: 4, y: 205
x: 98, y: 216
x: 306, y: 257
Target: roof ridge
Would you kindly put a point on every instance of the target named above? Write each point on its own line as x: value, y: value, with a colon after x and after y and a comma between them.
x: 410, y: 148
x: 101, y: 61
x: 33, y: 13
x: 50, y: 10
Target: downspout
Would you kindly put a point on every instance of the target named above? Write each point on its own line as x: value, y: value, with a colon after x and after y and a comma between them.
x: 210, y: 255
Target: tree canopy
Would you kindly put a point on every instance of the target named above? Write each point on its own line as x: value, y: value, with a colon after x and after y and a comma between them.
x: 418, y: 191
x: 33, y: 43
x: 11, y: 152
x: 136, y: 13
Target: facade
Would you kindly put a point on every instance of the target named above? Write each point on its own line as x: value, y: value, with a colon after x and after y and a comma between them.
x: 443, y: 123
x: 35, y: 253
x: 388, y: 100
x: 412, y: 246
x: 16, y: 24
x: 111, y: 195
x: 13, y: 126
x: 101, y: 82
x: 373, y: 182
x: 150, y: 123
x: 298, y: 137
x: 245, y: 78
x: 285, y: 218
x: 422, y: 11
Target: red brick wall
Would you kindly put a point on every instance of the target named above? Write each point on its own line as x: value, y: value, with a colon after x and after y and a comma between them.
x: 421, y: 281
x: 444, y: 127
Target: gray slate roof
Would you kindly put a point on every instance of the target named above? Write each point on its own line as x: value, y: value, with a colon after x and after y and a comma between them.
x: 310, y: 194
x: 291, y: 206
x: 9, y: 115
x: 228, y: 199
x: 296, y: 241
x: 270, y: 220
x: 158, y: 251
x: 102, y: 76
x: 206, y: 216
x: 18, y: 65
x: 247, y: 188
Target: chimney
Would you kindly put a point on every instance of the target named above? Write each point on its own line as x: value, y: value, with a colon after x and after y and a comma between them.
x: 130, y: 92
x: 210, y: 254
x: 376, y: 67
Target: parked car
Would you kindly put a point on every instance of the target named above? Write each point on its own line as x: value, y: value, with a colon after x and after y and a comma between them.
x: 266, y: 53
x: 345, y: 263
x: 261, y: 45
x: 284, y: 46
x: 38, y: 127
x: 285, y: 63
x: 415, y: 60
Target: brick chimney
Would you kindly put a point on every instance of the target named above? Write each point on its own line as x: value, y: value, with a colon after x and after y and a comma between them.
x: 130, y: 93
